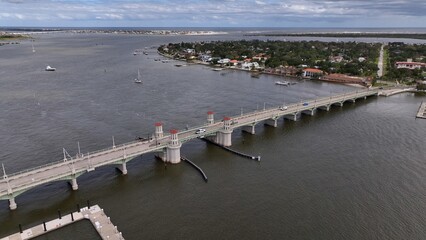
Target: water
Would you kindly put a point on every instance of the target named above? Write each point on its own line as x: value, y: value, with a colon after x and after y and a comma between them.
x: 356, y: 172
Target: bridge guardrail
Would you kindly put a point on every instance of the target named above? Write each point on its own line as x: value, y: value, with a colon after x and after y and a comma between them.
x: 253, y: 113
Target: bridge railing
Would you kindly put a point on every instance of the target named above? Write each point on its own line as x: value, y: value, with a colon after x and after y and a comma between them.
x: 253, y: 113
x: 34, y: 168
x: 117, y: 147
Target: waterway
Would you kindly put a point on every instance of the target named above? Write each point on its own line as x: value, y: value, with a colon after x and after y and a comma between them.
x: 356, y: 172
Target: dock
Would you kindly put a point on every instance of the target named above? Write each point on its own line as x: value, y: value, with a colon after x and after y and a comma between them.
x: 422, y: 111
x: 101, y: 222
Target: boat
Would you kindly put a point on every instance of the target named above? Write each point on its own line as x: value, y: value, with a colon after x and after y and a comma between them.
x: 180, y: 65
x: 217, y: 69
x: 283, y: 83
x: 33, y: 47
x: 49, y: 68
x: 138, y: 79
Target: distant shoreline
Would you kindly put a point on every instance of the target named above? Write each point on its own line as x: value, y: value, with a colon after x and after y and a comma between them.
x: 344, y: 35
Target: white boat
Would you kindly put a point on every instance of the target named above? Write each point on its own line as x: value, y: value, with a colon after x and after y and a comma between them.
x: 49, y: 68
x: 138, y: 79
x: 283, y: 83
x: 33, y: 47
x: 217, y: 69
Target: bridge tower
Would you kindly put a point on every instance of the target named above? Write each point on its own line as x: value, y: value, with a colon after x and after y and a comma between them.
x: 173, y: 150
x: 158, y: 130
x: 224, y: 136
x: 210, y: 117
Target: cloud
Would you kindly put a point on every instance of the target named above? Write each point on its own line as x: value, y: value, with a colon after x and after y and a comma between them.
x: 215, y: 12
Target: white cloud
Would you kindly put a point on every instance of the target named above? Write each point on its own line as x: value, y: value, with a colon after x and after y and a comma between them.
x: 213, y: 12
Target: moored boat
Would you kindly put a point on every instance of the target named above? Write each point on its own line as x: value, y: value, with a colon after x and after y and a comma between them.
x: 49, y: 68
x: 282, y: 83
x: 138, y: 79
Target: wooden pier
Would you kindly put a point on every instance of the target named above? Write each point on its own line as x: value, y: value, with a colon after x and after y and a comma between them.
x: 422, y: 111
x: 101, y: 222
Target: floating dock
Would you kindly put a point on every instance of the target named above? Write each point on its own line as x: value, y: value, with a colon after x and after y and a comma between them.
x: 422, y: 111
x: 232, y: 150
x: 195, y: 166
x: 95, y: 214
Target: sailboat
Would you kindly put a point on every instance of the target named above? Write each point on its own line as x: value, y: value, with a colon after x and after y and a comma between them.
x: 138, y: 79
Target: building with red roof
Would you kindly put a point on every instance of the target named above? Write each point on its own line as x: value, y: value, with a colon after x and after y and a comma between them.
x: 312, y: 73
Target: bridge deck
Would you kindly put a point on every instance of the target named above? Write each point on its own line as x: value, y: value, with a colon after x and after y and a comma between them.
x: 17, y: 183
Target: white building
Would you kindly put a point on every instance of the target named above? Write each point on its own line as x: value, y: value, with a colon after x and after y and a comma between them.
x: 409, y: 64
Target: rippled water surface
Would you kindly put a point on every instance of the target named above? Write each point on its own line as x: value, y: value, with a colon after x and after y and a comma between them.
x: 355, y: 172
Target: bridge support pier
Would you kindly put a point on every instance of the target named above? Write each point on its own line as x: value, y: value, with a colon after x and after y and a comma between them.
x: 224, y: 138
x: 309, y: 112
x: 250, y: 129
x: 12, y: 203
x: 173, y: 150
x: 173, y: 154
x: 74, y: 184
x: 339, y: 104
x: 123, y: 168
x: 292, y: 117
x: 326, y: 107
x: 271, y: 122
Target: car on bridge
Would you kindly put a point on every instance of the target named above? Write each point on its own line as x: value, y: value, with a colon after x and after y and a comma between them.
x: 201, y: 130
x: 305, y: 104
x: 283, y: 108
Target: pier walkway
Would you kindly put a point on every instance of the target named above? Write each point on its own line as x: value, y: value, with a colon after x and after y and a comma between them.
x: 422, y: 111
x: 100, y: 221
x: 168, y: 145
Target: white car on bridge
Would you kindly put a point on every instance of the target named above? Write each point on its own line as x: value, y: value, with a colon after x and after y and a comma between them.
x: 201, y: 130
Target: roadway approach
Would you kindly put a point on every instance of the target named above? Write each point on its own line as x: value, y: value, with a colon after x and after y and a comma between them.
x: 166, y: 145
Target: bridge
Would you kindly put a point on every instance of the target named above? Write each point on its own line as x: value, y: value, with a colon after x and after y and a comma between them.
x: 166, y: 145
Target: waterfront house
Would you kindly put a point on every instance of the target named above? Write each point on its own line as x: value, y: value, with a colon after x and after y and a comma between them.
x: 224, y: 61
x: 312, y: 73
x: 250, y: 65
x: 409, y: 64
x: 205, y: 57
x: 233, y: 62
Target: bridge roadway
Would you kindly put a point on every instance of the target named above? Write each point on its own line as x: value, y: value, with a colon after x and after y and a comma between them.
x: 70, y: 168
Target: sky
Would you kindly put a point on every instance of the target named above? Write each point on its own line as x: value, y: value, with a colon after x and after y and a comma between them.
x: 213, y: 13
